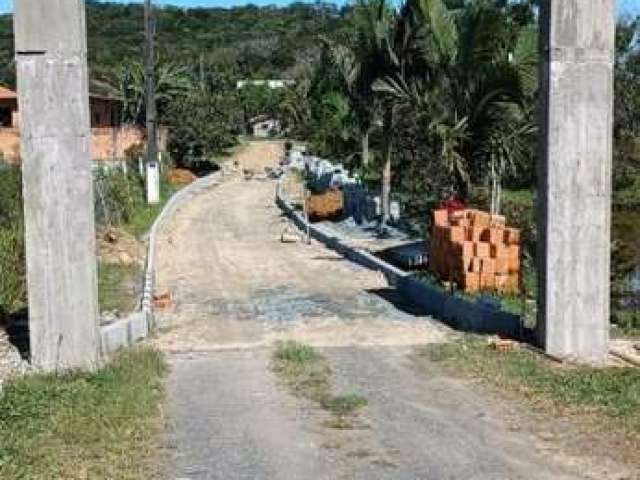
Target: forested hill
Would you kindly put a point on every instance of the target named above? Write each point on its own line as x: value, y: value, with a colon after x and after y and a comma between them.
x: 252, y: 41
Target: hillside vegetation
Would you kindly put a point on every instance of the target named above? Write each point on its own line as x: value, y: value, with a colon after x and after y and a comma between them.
x: 251, y: 41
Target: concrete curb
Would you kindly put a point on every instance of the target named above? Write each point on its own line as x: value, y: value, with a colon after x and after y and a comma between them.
x: 138, y: 325
x: 458, y: 312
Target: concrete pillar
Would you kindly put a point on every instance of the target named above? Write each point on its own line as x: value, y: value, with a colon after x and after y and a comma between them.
x: 575, y: 177
x: 51, y: 57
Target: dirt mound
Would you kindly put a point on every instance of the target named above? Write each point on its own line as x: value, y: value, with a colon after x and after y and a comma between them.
x: 119, y: 247
x: 181, y: 176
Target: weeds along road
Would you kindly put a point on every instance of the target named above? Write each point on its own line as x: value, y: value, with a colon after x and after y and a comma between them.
x: 238, y: 290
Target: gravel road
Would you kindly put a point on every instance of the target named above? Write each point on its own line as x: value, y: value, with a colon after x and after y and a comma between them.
x: 238, y: 289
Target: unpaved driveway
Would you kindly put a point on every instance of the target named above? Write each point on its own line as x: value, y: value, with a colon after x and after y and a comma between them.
x: 238, y: 289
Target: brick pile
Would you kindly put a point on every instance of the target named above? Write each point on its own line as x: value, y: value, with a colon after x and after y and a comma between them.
x: 475, y: 250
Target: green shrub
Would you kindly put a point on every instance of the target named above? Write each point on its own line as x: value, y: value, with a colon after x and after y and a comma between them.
x: 117, y: 196
x: 626, y: 319
x: 13, y: 285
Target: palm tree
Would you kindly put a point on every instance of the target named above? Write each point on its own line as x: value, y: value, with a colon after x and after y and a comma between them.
x: 475, y: 76
x: 368, y: 57
x: 127, y: 84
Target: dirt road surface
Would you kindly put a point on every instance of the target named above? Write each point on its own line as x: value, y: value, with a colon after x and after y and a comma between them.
x: 238, y: 289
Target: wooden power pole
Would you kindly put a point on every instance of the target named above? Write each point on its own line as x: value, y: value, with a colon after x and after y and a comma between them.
x: 53, y: 95
x: 152, y: 136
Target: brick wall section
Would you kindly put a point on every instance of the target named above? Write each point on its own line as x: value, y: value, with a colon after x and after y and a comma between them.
x: 10, y: 145
x: 106, y: 143
x: 112, y: 143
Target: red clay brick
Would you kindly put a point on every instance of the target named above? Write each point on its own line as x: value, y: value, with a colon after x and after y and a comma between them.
x: 489, y: 265
x: 441, y: 217
x: 456, y: 234
x: 482, y: 250
x: 501, y: 266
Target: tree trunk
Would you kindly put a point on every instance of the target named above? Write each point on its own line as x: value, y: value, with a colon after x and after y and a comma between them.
x: 365, y: 149
x: 386, y: 172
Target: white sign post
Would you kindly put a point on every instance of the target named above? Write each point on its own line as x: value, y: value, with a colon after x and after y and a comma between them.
x: 153, y: 183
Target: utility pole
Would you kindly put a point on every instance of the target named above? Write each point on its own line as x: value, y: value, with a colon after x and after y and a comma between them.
x: 152, y: 136
x: 53, y: 95
x: 202, y: 83
x: 578, y: 41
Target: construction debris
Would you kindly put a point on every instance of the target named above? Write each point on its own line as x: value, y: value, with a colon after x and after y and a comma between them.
x: 116, y: 246
x: 476, y: 250
x: 327, y: 205
x: 162, y: 300
x: 503, y: 345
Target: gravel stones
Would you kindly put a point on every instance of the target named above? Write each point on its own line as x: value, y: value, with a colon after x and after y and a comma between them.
x: 11, y: 362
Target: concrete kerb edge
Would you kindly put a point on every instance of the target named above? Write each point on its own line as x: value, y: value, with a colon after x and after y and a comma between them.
x: 139, y: 324
x: 457, y: 312
x: 356, y: 255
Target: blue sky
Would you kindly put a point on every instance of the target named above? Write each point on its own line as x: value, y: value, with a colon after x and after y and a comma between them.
x: 625, y: 6
x: 6, y: 5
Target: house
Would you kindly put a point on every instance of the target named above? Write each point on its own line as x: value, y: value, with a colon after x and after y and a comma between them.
x: 270, y: 84
x: 9, y: 133
x: 264, y: 126
x: 110, y: 138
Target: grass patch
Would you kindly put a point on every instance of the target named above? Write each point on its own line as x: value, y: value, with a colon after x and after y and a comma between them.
x: 308, y: 375
x: 344, y: 405
x: 143, y: 215
x: 296, y: 353
x: 121, y: 200
x: 118, y: 287
x: 84, y: 425
x: 612, y: 393
x: 305, y: 372
x: 13, y: 283
x: 627, y: 322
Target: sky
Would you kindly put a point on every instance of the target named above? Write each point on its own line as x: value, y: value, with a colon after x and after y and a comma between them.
x: 625, y: 6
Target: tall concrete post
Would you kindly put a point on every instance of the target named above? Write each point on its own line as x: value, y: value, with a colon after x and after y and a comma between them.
x: 578, y: 38
x: 51, y: 56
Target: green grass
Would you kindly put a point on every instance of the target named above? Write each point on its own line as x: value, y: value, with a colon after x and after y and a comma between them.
x: 143, y: 215
x: 84, y: 425
x: 305, y: 372
x: 627, y: 323
x: 344, y: 405
x: 117, y: 287
x: 308, y: 375
x: 629, y: 195
x: 612, y: 394
x: 295, y: 353
x: 13, y: 284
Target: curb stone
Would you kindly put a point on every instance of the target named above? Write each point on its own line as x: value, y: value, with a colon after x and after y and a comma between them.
x: 141, y: 323
x: 457, y: 312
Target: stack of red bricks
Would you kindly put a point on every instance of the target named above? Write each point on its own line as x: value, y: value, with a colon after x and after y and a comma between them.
x: 476, y: 250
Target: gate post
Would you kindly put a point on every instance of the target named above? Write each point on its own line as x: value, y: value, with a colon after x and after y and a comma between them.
x: 574, y: 191
x: 51, y: 58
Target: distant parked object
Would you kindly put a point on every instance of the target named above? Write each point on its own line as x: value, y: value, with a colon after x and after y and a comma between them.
x: 272, y: 84
x: 264, y: 126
